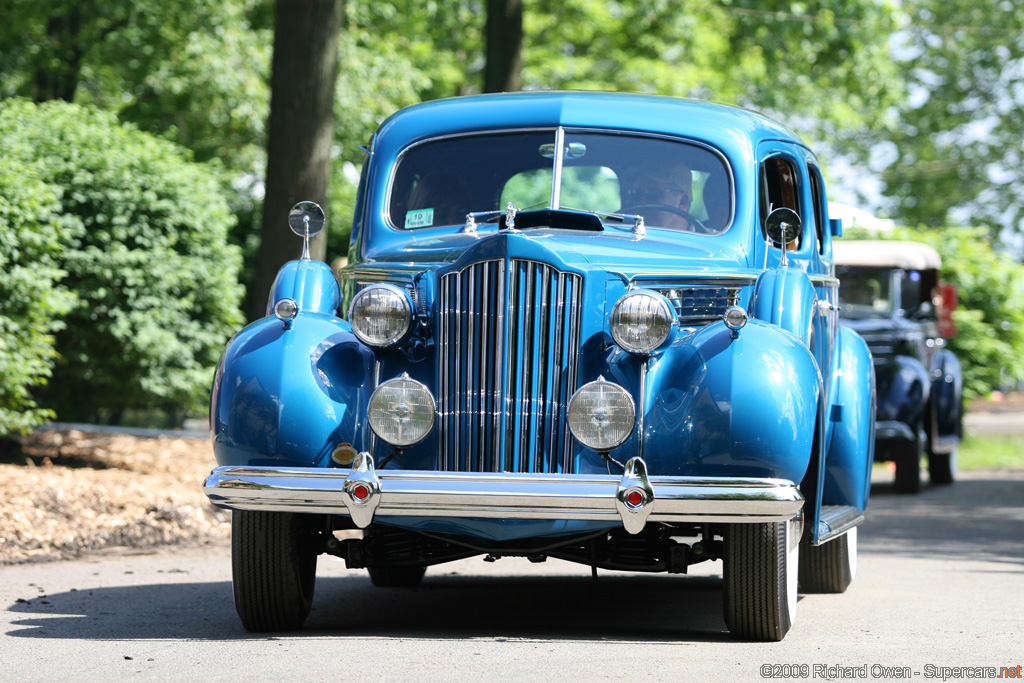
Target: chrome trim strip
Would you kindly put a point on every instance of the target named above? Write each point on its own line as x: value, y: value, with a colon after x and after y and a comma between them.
x: 556, y: 185
x: 836, y: 520
x: 505, y: 496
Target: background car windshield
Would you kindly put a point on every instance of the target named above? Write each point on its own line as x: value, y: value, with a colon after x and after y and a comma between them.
x: 673, y: 184
x: 865, y: 293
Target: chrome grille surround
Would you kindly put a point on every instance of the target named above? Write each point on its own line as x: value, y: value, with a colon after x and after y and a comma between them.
x: 698, y: 303
x: 508, y: 347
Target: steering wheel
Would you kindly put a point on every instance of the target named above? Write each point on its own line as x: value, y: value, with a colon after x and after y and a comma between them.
x: 695, y: 225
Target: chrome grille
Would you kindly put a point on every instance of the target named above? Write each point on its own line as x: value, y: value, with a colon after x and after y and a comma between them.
x: 508, y: 341
x: 698, y: 305
x: 881, y: 345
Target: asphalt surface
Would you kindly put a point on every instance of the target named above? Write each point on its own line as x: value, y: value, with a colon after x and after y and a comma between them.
x: 939, y: 591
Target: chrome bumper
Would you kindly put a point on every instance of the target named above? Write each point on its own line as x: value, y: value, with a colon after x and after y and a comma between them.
x: 634, y: 498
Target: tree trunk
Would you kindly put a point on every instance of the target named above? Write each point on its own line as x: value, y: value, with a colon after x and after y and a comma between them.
x: 301, y: 131
x: 503, y: 71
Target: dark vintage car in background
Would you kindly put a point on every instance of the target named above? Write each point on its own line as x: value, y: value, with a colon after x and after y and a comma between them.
x: 892, y: 294
x: 593, y: 327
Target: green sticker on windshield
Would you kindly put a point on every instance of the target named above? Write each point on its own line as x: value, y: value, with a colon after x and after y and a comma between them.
x: 421, y: 218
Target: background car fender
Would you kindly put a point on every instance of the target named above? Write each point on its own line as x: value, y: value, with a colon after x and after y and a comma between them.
x: 851, y: 452
x: 904, y: 388
x: 946, y: 394
x: 722, y: 406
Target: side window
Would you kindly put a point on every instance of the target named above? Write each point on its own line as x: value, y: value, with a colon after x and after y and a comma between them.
x: 779, y: 188
x: 818, y: 197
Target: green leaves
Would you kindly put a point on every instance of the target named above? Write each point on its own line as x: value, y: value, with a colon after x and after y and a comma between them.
x: 138, y: 233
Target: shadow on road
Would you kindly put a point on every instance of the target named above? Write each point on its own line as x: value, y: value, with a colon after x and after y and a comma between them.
x: 614, y: 608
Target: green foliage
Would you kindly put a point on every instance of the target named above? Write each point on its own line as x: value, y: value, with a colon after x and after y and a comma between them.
x: 145, y: 250
x: 31, y: 302
x: 957, y: 140
x: 990, y: 317
x: 194, y: 70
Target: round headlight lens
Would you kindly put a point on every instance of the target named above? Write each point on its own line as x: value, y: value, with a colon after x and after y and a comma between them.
x: 641, y: 321
x: 380, y: 315
x: 601, y: 415
x: 402, y: 411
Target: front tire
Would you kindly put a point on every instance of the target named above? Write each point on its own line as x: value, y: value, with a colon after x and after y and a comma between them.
x: 942, y: 468
x: 273, y: 567
x: 908, y: 464
x: 829, y: 568
x: 760, y: 579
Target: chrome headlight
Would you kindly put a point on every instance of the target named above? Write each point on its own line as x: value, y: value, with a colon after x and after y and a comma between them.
x: 380, y: 315
x: 286, y: 309
x: 402, y: 411
x: 601, y: 415
x: 642, y: 321
x: 735, y: 317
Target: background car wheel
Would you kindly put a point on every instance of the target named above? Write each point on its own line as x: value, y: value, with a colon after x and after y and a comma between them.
x: 273, y: 567
x: 908, y: 465
x: 396, y: 577
x: 829, y: 568
x: 942, y: 468
x: 760, y: 573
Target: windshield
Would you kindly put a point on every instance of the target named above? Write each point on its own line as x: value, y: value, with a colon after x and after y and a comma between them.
x: 672, y: 184
x: 865, y: 293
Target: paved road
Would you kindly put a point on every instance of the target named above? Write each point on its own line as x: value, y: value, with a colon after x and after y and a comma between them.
x: 940, y: 584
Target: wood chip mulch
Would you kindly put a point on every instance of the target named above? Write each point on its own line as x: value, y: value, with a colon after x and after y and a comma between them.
x: 77, y: 492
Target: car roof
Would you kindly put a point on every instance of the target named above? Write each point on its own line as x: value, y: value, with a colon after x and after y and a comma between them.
x: 886, y: 254
x: 722, y: 125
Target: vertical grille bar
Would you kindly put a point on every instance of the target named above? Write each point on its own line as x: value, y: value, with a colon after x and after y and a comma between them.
x: 508, y: 349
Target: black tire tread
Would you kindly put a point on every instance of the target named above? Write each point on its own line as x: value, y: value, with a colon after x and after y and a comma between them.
x: 940, y: 469
x: 825, y: 568
x: 273, y: 570
x: 755, y: 583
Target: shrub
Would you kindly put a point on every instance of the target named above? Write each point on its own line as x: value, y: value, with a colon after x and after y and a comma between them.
x: 146, y: 253
x: 30, y: 299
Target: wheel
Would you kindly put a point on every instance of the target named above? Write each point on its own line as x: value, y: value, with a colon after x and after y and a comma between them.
x: 273, y: 568
x: 760, y: 579
x: 908, y: 464
x: 829, y: 568
x: 396, y: 577
x: 942, y: 468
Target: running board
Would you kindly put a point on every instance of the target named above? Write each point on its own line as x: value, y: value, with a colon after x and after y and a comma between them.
x: 836, y: 520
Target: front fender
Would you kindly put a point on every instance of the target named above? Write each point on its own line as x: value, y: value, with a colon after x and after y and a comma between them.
x: 904, y: 388
x: 722, y: 406
x: 287, y: 395
x: 852, y: 450
x: 786, y: 298
x: 311, y: 284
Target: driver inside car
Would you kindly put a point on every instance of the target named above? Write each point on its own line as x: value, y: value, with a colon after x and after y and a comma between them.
x: 662, y: 195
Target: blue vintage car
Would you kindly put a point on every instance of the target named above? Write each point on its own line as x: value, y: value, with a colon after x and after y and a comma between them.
x: 595, y: 327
